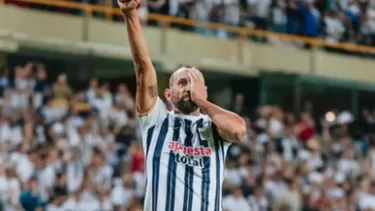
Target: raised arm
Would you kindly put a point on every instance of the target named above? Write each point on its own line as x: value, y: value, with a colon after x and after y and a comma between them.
x: 147, y: 90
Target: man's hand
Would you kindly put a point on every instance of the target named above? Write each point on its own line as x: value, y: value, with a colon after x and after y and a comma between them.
x: 230, y: 126
x: 128, y: 5
x: 198, y: 89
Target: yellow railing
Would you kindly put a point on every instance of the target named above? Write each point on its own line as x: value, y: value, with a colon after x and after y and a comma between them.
x: 109, y: 12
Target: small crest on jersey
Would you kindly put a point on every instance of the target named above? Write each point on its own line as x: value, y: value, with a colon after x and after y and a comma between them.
x: 205, y: 132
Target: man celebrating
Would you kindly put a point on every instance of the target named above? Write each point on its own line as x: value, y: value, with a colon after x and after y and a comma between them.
x: 185, y: 150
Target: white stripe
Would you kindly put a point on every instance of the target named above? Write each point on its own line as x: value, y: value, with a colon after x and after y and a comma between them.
x: 149, y: 163
x: 212, y: 190
x: 179, y: 194
x: 163, y: 171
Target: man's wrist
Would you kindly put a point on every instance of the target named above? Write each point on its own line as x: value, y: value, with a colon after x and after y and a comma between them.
x: 203, y: 103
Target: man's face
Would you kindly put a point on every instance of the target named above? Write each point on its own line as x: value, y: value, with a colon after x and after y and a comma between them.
x: 180, y: 92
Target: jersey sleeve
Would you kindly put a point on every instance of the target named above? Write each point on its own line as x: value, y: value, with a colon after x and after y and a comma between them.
x: 155, y: 115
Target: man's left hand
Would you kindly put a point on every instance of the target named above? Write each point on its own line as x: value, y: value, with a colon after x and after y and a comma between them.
x: 198, y: 89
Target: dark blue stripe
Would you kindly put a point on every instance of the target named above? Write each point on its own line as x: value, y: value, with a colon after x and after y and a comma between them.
x: 191, y: 178
x: 189, y: 171
x: 222, y: 149
x: 217, y: 151
x: 150, y: 132
x: 171, y: 177
x: 205, y: 172
x: 156, y: 162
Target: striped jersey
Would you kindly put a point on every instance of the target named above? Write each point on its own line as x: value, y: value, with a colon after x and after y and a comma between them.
x: 184, y: 158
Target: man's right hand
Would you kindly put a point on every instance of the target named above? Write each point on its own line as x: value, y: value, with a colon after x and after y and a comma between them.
x: 127, y: 6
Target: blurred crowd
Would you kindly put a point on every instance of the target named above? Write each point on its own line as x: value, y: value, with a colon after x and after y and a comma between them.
x: 333, y: 20
x: 63, y: 148
x: 293, y: 163
x: 67, y: 149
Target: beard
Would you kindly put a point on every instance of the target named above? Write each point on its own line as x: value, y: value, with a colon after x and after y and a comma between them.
x: 185, y: 106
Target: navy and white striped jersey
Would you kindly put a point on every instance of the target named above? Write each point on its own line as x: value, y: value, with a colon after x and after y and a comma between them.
x: 184, y: 161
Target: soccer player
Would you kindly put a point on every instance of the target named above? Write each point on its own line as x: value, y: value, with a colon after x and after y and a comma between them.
x: 184, y: 150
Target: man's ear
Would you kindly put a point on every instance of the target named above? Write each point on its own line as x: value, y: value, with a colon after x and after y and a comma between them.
x: 167, y: 94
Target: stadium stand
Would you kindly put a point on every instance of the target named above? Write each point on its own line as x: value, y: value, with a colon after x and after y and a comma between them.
x: 337, y: 24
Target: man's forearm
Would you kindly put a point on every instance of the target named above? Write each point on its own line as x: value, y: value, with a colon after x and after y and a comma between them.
x: 147, y: 89
x: 137, y: 42
x: 227, y: 122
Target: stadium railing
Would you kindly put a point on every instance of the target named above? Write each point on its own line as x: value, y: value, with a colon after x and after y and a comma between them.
x: 109, y: 12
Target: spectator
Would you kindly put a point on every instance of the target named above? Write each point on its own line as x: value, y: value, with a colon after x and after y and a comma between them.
x: 334, y: 27
x: 122, y: 193
x: 239, y: 105
x: 78, y: 202
x: 310, y: 18
x: 61, y: 91
x: 30, y: 199
x: 4, y: 81
x: 10, y: 189
x: 279, y: 17
x: 235, y: 201
x: 92, y: 90
x: 293, y: 17
x: 231, y: 12
x: 261, y: 11
x: 22, y: 87
x: 258, y: 201
x: 155, y: 6
x: 41, y: 88
x: 124, y: 98
x: 305, y: 128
